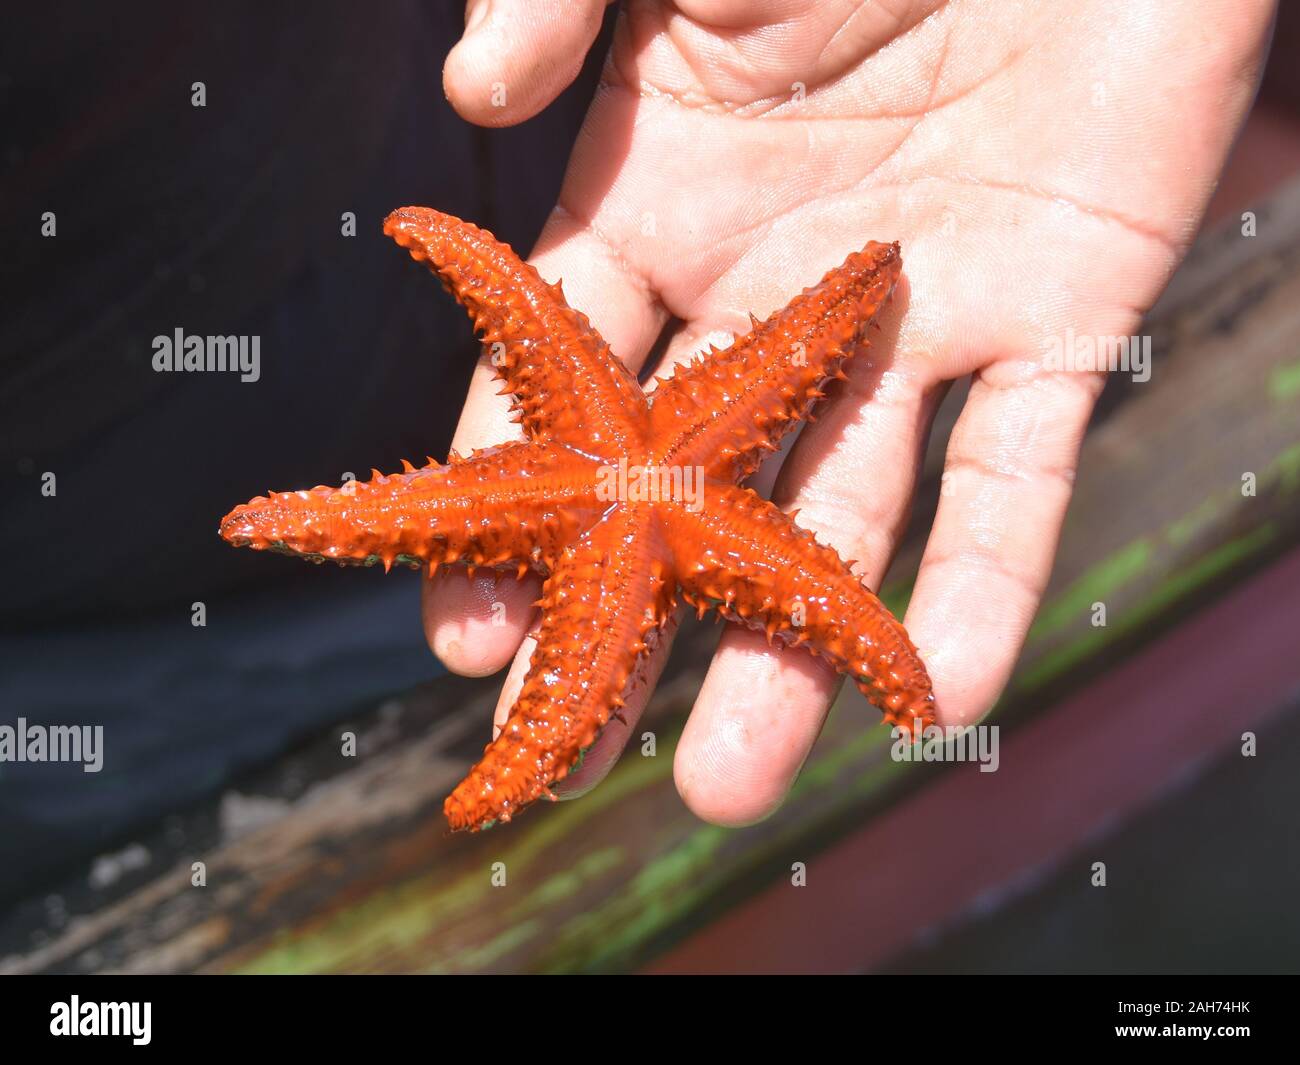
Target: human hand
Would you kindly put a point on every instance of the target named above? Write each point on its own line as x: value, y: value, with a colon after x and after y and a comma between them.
x: 1044, y: 169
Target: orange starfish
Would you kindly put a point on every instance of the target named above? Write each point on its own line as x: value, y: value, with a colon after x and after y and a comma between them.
x: 619, y: 500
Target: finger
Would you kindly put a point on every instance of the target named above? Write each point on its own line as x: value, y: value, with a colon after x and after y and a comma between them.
x: 1007, y: 480
x: 516, y: 56
x: 851, y: 475
x: 600, y: 757
x: 744, y: 742
x: 462, y: 620
x: 474, y: 624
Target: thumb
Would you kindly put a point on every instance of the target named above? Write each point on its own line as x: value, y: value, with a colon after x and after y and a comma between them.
x: 516, y: 56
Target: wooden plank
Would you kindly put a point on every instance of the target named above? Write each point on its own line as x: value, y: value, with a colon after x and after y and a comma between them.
x: 355, y: 872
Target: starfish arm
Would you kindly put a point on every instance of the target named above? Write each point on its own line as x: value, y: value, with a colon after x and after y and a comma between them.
x: 549, y: 353
x: 726, y: 410
x: 511, y: 505
x: 745, y: 558
x: 602, y: 611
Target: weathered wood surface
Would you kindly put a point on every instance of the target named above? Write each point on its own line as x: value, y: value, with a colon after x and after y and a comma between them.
x: 1143, y: 740
x: 328, y: 864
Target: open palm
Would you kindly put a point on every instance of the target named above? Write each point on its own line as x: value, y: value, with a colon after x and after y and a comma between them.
x: 1044, y: 167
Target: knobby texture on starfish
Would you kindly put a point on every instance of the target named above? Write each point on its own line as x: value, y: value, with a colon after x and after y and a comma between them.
x: 620, y: 500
